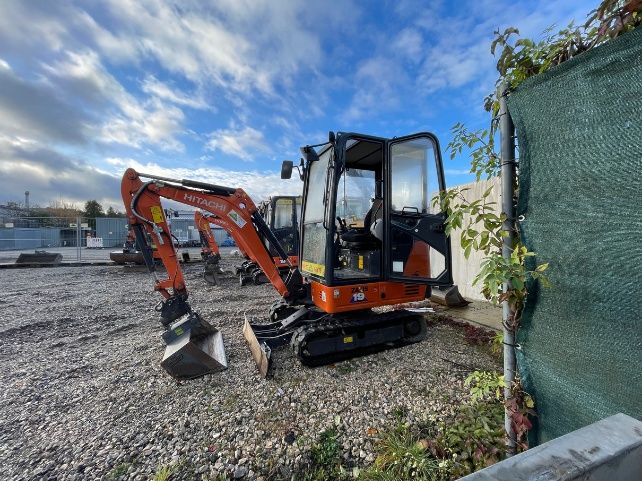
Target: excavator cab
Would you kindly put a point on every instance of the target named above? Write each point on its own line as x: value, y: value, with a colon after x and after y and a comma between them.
x: 370, y: 232
x: 282, y: 214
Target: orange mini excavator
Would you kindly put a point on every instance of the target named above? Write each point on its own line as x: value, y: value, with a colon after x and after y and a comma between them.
x: 370, y: 236
x: 130, y: 253
x: 209, y: 248
x: 282, y: 214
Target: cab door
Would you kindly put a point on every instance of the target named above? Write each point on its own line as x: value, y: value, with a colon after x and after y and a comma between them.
x: 417, y: 249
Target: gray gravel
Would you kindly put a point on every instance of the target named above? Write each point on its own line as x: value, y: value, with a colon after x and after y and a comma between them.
x: 83, y: 395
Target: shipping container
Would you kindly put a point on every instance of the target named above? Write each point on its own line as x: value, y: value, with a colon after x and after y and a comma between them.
x: 113, y: 230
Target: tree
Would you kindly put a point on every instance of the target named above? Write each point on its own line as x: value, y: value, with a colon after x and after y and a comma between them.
x: 111, y: 212
x: 93, y: 209
x: 60, y: 208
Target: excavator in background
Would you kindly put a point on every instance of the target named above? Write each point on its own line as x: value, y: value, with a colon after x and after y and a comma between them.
x: 209, y: 248
x: 282, y: 214
x: 370, y: 236
x: 130, y: 254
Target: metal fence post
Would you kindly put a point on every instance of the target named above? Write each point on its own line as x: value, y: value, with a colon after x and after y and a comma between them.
x: 78, y: 238
x: 508, y: 171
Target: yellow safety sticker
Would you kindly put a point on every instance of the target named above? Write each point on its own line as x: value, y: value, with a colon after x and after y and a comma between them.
x: 360, y: 263
x: 312, y: 268
x: 157, y: 214
x: 348, y: 340
x: 179, y: 331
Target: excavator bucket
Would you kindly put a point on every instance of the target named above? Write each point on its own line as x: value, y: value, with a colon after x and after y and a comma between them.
x: 448, y: 296
x: 194, y: 348
x: 210, y: 274
x: 211, y: 271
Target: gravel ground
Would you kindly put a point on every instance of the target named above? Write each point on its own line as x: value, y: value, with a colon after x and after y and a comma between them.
x: 83, y: 395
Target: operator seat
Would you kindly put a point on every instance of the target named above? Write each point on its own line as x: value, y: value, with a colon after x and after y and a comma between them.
x: 369, y: 236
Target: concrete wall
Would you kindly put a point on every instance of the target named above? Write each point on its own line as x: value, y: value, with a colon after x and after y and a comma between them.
x: 465, y: 270
x: 608, y: 450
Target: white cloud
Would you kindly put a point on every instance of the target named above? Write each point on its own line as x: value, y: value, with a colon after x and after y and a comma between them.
x: 244, y: 143
x: 35, y: 108
x: 153, y: 86
x: 238, y: 45
x: 48, y: 174
x: 132, y: 122
x: 4, y: 64
x: 453, y: 67
x: 376, y: 82
x: 444, y: 48
x: 409, y: 42
x: 157, y: 125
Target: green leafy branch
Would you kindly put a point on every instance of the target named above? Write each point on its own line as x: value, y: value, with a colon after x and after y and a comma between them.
x: 483, y: 158
x: 481, y: 230
x: 517, y: 60
x: 521, y: 58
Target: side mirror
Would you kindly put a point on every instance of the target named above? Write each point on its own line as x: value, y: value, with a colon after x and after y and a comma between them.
x: 286, y: 169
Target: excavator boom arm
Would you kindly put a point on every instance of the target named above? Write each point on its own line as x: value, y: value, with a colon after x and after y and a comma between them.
x: 202, y: 223
x: 234, y: 210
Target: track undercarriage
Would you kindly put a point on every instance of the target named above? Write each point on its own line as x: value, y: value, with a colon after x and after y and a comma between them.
x: 318, y: 338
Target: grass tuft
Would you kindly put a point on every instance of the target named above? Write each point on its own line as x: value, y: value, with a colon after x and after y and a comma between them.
x: 164, y: 473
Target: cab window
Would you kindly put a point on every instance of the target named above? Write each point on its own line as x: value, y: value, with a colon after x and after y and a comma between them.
x: 314, y: 232
x: 414, y: 180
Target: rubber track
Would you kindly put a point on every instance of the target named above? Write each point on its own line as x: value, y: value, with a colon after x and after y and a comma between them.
x: 344, y: 327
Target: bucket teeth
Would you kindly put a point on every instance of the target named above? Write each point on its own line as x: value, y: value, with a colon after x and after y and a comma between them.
x: 261, y: 352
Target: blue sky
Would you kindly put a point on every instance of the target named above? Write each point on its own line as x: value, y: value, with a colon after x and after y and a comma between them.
x: 223, y: 91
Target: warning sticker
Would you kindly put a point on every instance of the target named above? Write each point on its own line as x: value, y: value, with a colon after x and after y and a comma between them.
x: 236, y: 217
x: 313, y: 268
x: 157, y: 214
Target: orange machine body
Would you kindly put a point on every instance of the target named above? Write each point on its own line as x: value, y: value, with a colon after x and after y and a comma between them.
x: 351, y: 297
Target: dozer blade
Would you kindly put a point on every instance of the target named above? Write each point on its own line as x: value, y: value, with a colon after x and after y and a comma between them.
x: 448, y: 296
x: 194, y: 348
x: 263, y: 339
x: 261, y: 352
